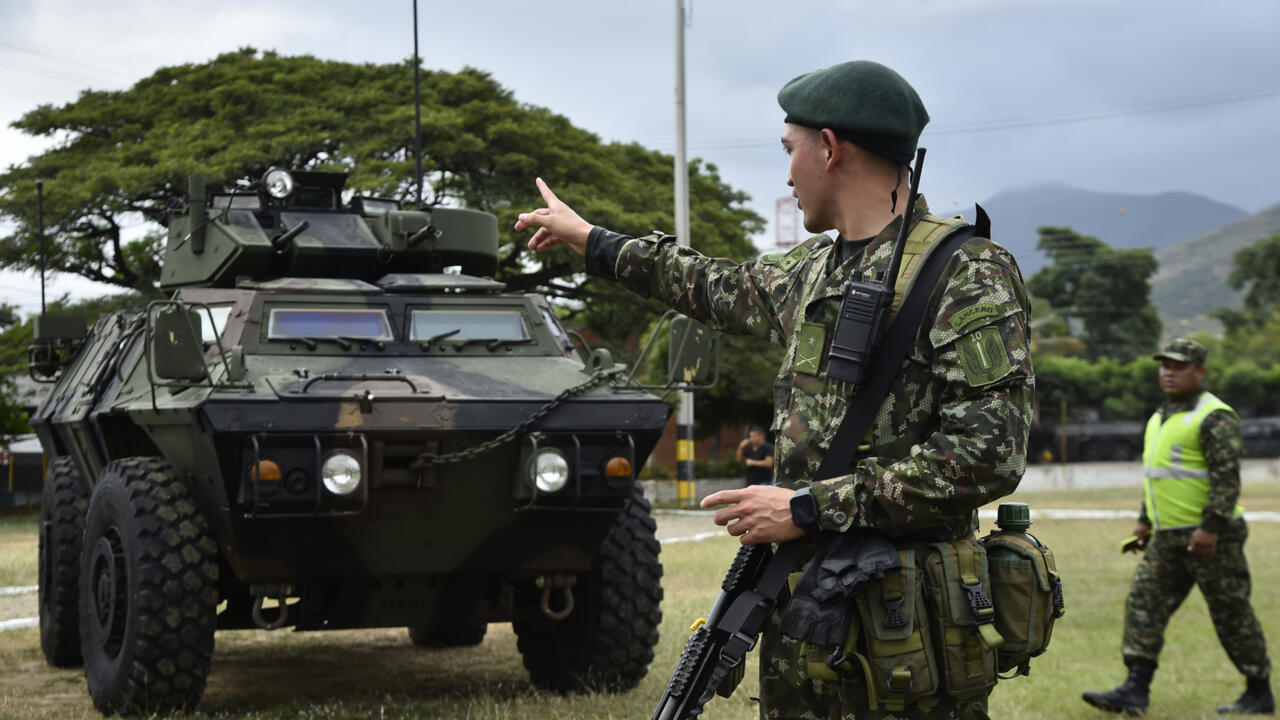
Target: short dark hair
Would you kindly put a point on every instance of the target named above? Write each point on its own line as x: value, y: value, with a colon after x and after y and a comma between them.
x: 755, y: 428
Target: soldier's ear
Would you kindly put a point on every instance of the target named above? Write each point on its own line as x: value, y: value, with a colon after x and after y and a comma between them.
x: 831, y: 146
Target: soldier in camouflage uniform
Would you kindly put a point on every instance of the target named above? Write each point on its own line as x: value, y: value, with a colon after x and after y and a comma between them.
x: 951, y: 435
x: 1208, y: 552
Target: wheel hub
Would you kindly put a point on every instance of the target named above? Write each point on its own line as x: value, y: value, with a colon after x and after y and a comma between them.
x: 109, y: 590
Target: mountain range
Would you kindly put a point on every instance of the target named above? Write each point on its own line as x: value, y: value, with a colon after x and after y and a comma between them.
x: 1194, y: 238
x: 1121, y: 220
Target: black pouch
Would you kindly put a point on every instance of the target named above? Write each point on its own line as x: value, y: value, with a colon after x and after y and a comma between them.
x: 889, y: 640
x: 962, y: 615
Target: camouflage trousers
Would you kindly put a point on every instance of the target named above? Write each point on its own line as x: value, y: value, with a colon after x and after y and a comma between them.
x: 788, y: 693
x: 1166, y: 575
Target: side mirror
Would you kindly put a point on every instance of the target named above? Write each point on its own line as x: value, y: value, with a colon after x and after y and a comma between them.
x: 54, y: 341
x: 176, y: 350
x: 689, y: 351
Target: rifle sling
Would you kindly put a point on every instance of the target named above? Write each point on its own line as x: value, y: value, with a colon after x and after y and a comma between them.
x: 893, y: 350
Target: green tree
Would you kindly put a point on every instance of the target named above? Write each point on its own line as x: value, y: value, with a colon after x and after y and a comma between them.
x: 1107, y: 291
x: 120, y: 155
x: 1258, y: 267
x: 1253, y: 331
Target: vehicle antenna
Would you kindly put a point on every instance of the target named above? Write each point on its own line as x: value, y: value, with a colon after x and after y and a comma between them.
x: 40, y: 234
x: 417, y: 110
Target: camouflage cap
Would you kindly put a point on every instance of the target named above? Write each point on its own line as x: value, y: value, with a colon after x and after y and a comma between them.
x: 864, y: 102
x: 1183, y: 350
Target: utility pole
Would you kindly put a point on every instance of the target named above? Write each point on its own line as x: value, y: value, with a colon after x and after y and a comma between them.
x: 685, y: 489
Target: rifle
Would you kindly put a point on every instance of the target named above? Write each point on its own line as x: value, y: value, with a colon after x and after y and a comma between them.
x: 711, y: 663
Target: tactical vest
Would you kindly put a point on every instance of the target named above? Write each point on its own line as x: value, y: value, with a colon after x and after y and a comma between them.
x: 920, y: 241
x: 1176, y: 481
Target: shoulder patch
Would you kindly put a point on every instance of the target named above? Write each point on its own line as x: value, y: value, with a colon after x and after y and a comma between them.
x: 983, y: 356
x: 793, y: 258
x: 973, y: 314
x: 770, y: 259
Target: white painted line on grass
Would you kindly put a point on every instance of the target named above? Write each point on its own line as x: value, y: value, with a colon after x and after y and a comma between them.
x: 694, y: 538
x: 19, y: 624
x: 1082, y: 514
x: 19, y: 590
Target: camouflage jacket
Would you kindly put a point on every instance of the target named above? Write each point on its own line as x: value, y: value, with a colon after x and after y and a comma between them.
x: 1223, y: 447
x: 952, y: 433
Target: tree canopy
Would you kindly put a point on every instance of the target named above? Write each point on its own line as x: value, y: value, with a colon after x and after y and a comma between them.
x: 1103, y: 289
x: 1253, y: 332
x: 119, y: 156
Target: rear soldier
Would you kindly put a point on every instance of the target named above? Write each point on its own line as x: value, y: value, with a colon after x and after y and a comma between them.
x: 1192, y: 480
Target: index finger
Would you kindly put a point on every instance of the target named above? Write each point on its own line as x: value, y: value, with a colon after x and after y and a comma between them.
x: 547, y: 196
x: 724, y: 497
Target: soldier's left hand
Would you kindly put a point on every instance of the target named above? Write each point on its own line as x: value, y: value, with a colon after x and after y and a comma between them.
x: 756, y: 514
x: 1203, y: 544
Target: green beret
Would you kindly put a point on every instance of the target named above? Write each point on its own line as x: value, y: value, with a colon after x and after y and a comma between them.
x: 864, y: 102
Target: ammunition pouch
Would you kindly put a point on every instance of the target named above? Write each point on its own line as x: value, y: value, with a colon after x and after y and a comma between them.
x: 926, y: 628
x: 1027, y: 592
x: 889, y: 641
x: 963, y: 616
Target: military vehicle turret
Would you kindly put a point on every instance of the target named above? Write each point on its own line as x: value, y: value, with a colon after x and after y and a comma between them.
x: 338, y: 421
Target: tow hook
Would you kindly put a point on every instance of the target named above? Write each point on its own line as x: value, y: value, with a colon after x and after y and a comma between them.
x: 281, y: 593
x: 557, y: 581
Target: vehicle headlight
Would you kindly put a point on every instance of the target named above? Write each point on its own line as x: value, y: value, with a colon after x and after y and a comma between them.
x: 341, y: 473
x: 549, y: 470
x: 279, y: 183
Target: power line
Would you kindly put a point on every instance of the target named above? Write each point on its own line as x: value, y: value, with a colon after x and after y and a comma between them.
x: 94, y: 67
x: 1018, y: 123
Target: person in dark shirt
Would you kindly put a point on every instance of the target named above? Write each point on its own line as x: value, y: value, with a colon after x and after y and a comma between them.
x: 757, y: 455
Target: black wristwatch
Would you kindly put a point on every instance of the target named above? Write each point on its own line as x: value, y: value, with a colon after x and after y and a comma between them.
x: 804, y: 511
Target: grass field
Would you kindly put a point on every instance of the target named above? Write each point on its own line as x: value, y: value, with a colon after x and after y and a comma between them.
x: 378, y: 674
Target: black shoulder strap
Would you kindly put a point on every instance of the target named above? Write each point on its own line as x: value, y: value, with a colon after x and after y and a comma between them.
x: 893, y: 349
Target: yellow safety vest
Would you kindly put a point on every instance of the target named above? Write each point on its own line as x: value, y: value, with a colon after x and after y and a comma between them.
x: 1176, y: 481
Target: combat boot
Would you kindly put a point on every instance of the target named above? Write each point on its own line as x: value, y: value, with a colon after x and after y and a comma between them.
x: 1131, y: 697
x: 1256, y: 700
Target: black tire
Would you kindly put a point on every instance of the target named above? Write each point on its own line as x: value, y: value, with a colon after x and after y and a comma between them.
x: 148, y: 591
x: 606, y: 643
x: 64, y: 502
x: 442, y: 634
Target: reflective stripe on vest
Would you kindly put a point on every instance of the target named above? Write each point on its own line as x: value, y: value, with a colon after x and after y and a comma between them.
x: 1176, y: 476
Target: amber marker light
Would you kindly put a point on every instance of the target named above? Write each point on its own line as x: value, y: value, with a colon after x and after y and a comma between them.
x: 265, y: 471
x: 618, y: 467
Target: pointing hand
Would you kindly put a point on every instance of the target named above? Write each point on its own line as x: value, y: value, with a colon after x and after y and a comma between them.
x: 557, y: 224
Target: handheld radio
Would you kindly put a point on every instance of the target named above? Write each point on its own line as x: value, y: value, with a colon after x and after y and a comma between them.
x: 866, y: 305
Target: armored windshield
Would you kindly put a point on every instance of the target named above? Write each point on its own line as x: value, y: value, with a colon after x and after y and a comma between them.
x: 469, y: 324
x: 370, y: 323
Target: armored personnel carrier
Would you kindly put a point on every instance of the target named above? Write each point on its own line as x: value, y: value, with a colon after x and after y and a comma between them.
x: 338, y: 421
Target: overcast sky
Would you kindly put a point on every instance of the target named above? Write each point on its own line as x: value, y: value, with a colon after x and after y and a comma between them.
x: 1144, y: 96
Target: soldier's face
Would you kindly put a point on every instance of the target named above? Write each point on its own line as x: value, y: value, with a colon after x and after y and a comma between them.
x: 1180, y: 379
x: 805, y: 174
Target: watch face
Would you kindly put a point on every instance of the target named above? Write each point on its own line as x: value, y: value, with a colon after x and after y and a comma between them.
x: 804, y: 511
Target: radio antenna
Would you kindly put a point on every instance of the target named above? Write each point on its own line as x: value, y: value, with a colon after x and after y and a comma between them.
x: 40, y: 234
x: 417, y: 110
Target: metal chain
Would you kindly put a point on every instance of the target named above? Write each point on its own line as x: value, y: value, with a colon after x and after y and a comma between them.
x: 426, y: 459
